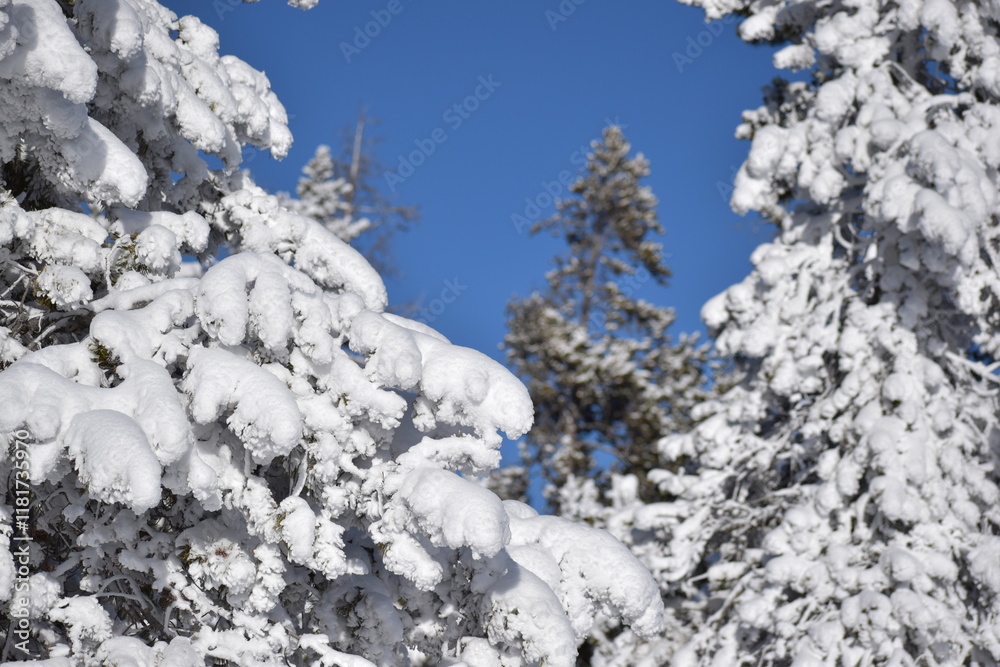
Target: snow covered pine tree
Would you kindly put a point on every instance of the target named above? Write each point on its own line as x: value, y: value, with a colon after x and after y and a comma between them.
x: 340, y: 193
x: 840, y: 506
x: 245, y: 461
x: 606, y: 379
x: 602, y: 372
x: 325, y: 196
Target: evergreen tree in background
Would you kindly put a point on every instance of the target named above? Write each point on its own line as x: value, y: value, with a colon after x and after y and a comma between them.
x: 606, y: 378
x: 338, y: 191
x: 326, y: 197
x: 840, y: 505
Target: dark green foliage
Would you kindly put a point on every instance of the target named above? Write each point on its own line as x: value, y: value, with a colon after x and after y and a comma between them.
x: 603, y: 373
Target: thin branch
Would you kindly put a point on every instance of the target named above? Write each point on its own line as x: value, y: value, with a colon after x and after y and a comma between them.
x: 985, y: 372
x: 359, y: 130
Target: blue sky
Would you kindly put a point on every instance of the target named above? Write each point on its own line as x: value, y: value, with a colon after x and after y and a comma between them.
x: 547, y: 81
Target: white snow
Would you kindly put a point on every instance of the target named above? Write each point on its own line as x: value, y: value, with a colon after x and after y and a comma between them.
x: 114, y: 459
x: 455, y: 512
x: 264, y: 412
x: 57, y: 61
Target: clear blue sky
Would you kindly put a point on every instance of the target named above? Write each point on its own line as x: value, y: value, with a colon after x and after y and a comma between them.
x: 675, y: 83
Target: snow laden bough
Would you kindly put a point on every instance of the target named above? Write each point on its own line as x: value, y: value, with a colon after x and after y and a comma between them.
x: 250, y: 448
x: 252, y: 462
